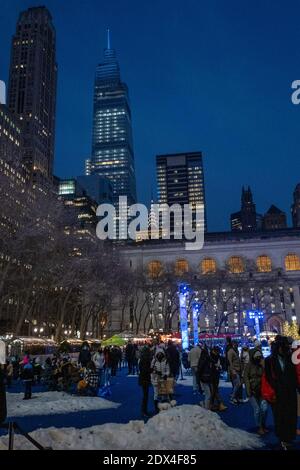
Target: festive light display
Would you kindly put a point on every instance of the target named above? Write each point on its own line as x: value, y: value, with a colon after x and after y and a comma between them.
x: 256, y: 315
x: 183, y: 296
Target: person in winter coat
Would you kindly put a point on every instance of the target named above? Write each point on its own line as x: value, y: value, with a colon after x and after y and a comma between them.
x: 234, y: 369
x: 114, y: 360
x: 281, y: 375
x: 296, y: 361
x: 145, y: 377
x: 27, y: 376
x: 253, y: 373
x: 3, y: 410
x: 216, y: 368
x: 193, y: 358
x: 173, y: 358
x: 99, y: 361
x: 160, y: 370
x: 204, y: 375
x: 84, y: 355
x: 9, y: 373
x: 130, y: 356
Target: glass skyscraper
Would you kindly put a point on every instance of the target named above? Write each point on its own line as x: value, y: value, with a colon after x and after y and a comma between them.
x: 112, y: 146
x: 180, y: 180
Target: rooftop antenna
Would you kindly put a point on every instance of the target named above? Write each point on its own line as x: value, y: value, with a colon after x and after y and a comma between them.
x: 108, y: 39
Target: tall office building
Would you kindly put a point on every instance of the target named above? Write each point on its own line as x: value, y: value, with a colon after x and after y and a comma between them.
x: 247, y: 219
x: 180, y: 180
x: 112, y: 146
x: 32, y: 86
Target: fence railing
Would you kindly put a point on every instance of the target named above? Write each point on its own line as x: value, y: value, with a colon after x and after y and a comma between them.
x: 13, y: 428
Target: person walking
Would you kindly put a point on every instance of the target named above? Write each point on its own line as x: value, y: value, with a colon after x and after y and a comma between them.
x: 145, y: 378
x: 280, y: 373
x: 216, y: 368
x: 193, y: 358
x: 234, y: 369
x: 253, y: 373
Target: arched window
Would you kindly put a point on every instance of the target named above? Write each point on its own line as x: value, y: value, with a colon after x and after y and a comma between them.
x: 208, y: 266
x: 292, y: 262
x: 181, y: 267
x: 264, y: 264
x: 154, y: 269
x: 236, y: 265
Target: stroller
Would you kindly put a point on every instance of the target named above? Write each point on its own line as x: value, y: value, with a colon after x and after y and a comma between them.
x: 165, y: 393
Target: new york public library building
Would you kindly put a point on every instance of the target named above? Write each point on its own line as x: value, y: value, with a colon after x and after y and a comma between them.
x: 233, y: 273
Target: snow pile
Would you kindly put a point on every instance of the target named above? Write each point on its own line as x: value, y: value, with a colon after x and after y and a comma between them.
x: 187, y: 427
x: 49, y: 403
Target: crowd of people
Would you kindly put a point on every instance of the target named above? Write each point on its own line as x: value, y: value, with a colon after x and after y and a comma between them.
x: 272, y: 382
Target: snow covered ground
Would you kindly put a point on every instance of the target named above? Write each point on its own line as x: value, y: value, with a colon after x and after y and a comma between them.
x: 186, y: 427
x: 48, y: 403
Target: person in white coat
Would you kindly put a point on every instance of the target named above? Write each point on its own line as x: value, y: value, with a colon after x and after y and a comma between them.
x: 99, y: 360
x: 193, y: 358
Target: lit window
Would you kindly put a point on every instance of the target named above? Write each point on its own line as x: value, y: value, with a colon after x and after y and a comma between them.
x: 208, y: 266
x: 292, y: 262
x: 181, y: 267
x: 236, y: 265
x: 154, y: 269
x: 264, y: 264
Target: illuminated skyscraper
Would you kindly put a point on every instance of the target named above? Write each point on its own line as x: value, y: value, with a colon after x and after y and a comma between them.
x: 180, y: 180
x: 32, y: 86
x: 112, y: 146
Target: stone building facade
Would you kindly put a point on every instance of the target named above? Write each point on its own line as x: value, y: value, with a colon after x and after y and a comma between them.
x: 232, y: 274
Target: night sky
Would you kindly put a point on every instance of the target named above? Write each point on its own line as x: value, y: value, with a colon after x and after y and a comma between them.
x: 213, y: 76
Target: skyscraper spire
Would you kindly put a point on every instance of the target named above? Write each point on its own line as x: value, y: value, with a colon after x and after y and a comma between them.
x: 108, y: 38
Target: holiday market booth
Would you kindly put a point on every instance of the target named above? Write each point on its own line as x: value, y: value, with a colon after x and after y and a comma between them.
x: 33, y: 346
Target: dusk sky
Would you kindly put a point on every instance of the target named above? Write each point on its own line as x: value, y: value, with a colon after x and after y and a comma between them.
x: 213, y: 76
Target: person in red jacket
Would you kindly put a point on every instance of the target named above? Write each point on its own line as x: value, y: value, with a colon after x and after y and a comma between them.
x: 296, y: 361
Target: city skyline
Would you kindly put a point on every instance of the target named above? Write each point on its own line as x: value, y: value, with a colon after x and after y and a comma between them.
x: 245, y: 147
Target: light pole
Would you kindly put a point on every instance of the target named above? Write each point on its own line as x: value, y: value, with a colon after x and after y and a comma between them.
x: 256, y: 315
x: 196, y: 313
x: 183, y: 294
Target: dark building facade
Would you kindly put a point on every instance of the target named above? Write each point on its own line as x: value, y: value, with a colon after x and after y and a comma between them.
x: 180, y: 180
x: 274, y: 219
x: 296, y: 207
x: 10, y: 136
x: 32, y: 86
x: 97, y: 187
x: 112, y: 144
x: 82, y: 208
x: 247, y: 219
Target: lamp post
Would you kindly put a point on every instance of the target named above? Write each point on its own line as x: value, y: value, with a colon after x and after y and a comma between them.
x: 256, y: 315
